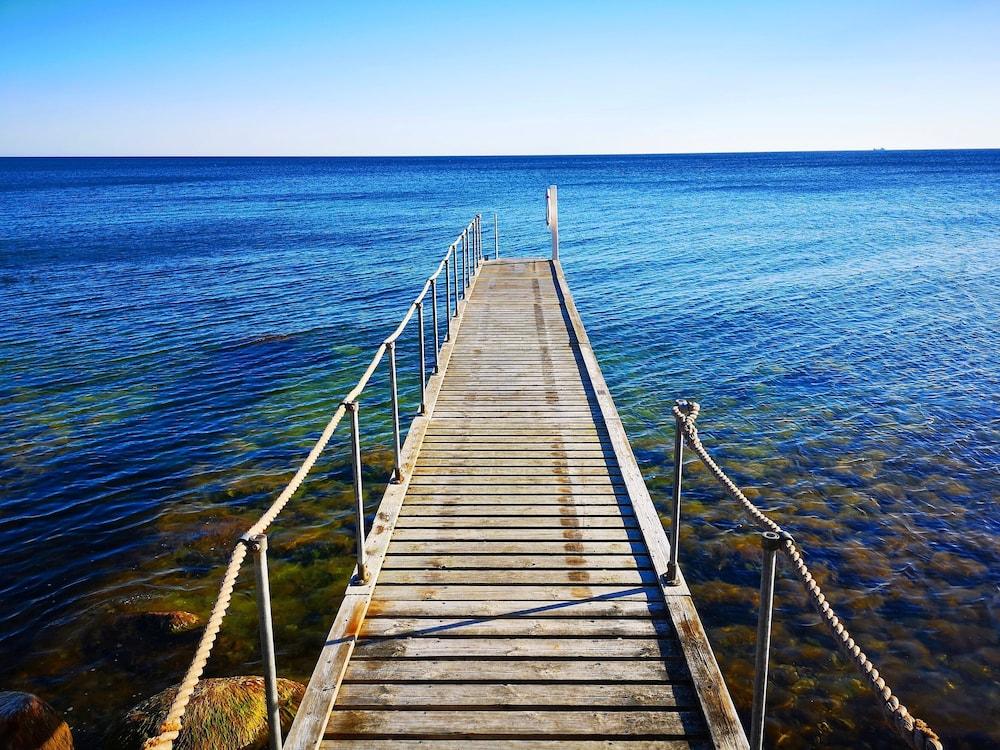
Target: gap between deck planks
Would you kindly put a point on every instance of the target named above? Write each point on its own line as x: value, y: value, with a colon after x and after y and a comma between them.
x: 517, y: 598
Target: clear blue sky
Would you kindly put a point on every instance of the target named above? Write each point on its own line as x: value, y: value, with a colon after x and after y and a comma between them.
x: 331, y: 77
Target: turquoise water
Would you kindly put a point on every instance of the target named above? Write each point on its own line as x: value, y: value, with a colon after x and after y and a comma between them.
x: 176, y: 331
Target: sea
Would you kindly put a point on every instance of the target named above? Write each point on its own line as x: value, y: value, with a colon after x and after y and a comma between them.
x: 175, y: 332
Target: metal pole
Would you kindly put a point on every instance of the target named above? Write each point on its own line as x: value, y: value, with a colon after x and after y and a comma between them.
x: 479, y: 240
x: 359, y: 500
x: 465, y: 263
x: 434, y: 321
x: 771, y: 543
x: 454, y: 259
x: 675, y: 519
x: 423, y: 357
x: 447, y: 299
x: 496, y: 237
x: 552, y: 217
x: 397, y: 468
x: 258, y: 545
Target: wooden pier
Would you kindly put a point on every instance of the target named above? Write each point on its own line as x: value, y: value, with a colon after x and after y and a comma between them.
x: 515, y: 594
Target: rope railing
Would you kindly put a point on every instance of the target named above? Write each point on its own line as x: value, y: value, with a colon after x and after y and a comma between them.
x: 915, y: 732
x: 467, y: 251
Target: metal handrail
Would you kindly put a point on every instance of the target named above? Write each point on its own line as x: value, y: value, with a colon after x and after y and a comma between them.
x: 255, y: 539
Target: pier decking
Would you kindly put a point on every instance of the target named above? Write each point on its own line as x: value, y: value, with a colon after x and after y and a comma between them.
x: 515, y: 595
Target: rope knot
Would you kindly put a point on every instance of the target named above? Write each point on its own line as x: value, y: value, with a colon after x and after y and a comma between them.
x: 686, y: 412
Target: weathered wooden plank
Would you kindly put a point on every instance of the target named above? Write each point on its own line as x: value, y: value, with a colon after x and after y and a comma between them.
x: 567, y: 452
x: 369, y: 743
x: 556, y: 470
x: 446, y: 724
x: 527, y: 443
x: 443, y: 547
x: 516, y: 670
x: 482, y: 459
x: 566, y: 496
x: 609, y: 608
x: 430, y: 647
x: 567, y: 521
x: 607, y: 482
x: 517, y: 562
x: 502, y: 535
x: 606, y: 627
x: 622, y: 577
x: 551, y: 593
x: 472, y: 696
x: 469, y: 510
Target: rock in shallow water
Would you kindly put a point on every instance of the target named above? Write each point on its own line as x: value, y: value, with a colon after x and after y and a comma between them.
x: 29, y: 723
x: 153, y: 624
x: 225, y: 713
x: 128, y: 638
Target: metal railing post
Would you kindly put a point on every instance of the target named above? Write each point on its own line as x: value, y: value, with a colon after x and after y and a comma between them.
x: 771, y: 543
x: 434, y: 321
x: 359, y: 500
x: 447, y: 299
x: 454, y: 259
x: 465, y: 262
x: 397, y: 469
x: 675, y: 517
x: 258, y: 545
x: 423, y: 356
x: 496, y: 237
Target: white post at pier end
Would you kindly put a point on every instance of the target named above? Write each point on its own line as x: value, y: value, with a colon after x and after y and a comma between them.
x: 552, y: 218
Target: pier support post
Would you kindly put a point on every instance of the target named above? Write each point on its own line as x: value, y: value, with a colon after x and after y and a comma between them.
x: 771, y: 543
x: 258, y: 545
x: 359, y: 499
x: 675, y: 517
x: 397, y: 469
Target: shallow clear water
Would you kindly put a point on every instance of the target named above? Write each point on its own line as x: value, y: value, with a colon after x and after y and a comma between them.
x: 176, y: 331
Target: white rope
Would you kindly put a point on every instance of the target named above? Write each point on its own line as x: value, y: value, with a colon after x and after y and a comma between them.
x: 171, y: 726
x: 913, y: 730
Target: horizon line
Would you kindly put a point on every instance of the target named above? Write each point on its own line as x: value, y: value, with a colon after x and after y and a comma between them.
x: 496, y: 156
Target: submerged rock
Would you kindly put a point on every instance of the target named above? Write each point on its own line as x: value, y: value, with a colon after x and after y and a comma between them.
x: 29, y: 723
x: 225, y: 713
x: 132, y: 631
x: 154, y: 624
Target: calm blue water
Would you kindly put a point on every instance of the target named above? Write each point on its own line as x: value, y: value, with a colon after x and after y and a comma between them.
x: 175, y: 332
